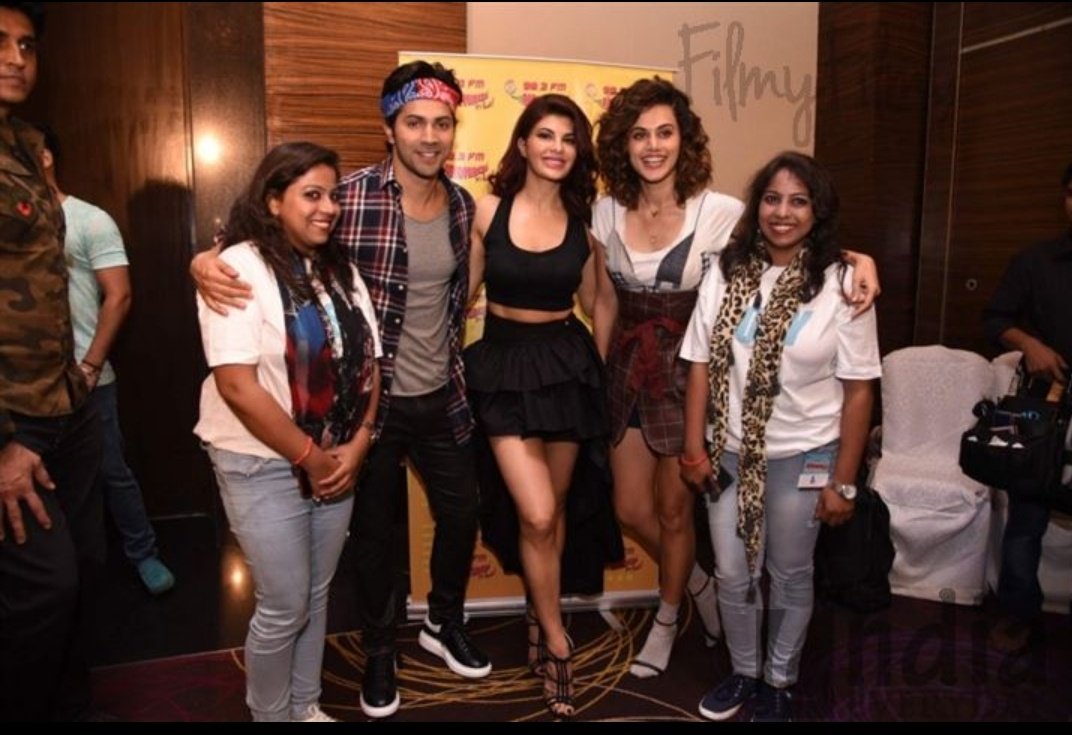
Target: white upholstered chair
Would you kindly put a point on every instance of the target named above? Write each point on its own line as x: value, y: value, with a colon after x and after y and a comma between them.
x: 939, y: 517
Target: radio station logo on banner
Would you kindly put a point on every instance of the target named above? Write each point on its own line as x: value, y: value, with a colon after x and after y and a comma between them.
x: 468, y: 166
x: 601, y: 94
x: 475, y: 93
x: 527, y: 91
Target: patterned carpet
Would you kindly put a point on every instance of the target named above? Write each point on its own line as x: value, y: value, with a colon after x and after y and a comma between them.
x: 915, y: 661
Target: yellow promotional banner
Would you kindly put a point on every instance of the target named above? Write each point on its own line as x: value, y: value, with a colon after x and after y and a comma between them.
x: 496, y: 89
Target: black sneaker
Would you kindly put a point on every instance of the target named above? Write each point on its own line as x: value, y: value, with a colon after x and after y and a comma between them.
x: 722, y: 702
x: 379, y: 688
x: 453, y: 645
x: 773, y: 705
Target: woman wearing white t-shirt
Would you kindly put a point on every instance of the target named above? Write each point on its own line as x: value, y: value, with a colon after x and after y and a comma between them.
x: 781, y: 383
x: 288, y: 414
x: 661, y: 228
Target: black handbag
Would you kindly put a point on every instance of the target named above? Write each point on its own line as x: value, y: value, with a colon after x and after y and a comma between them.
x: 853, y: 560
x: 1018, y: 444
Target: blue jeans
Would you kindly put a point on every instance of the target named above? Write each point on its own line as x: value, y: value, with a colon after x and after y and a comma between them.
x: 122, y: 494
x: 788, y: 545
x: 292, y: 546
x: 1019, y: 591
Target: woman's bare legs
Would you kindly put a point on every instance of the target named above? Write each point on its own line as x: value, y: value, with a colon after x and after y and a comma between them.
x: 537, y: 473
x: 656, y: 506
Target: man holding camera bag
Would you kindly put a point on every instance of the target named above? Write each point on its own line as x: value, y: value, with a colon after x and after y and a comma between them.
x: 1031, y: 311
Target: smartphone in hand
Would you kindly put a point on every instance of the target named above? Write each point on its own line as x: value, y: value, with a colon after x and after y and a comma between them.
x: 714, y: 487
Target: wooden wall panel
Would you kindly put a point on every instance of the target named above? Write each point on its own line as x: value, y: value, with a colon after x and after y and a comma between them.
x: 1014, y: 140
x: 118, y: 107
x: 225, y: 68
x: 938, y: 184
x: 325, y: 64
x: 870, y: 131
x: 999, y: 140
x: 113, y: 86
x: 985, y: 22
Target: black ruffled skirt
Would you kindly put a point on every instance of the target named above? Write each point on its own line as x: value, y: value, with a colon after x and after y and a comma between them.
x: 537, y: 380
x: 546, y: 381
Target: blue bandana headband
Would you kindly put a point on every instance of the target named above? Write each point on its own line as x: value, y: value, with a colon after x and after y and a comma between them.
x: 426, y: 88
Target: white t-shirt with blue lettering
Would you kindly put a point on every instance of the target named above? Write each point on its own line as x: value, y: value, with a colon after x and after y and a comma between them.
x: 824, y: 345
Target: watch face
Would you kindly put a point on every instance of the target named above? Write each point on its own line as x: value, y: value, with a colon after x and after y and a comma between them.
x: 847, y: 491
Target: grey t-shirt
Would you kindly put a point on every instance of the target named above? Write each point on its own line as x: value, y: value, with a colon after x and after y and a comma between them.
x: 423, y: 361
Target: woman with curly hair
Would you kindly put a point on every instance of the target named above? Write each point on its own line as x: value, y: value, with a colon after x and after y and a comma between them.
x: 661, y: 227
x: 535, y: 379
x: 778, y: 403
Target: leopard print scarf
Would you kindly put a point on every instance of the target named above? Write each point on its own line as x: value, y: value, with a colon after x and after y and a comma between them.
x: 761, y: 386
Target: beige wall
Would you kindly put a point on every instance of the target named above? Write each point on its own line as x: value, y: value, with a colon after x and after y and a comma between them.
x: 751, y: 74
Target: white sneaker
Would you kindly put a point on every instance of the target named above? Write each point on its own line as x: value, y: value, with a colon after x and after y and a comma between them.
x: 315, y: 714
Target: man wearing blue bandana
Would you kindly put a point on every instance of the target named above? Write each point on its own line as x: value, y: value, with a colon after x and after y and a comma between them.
x: 406, y: 226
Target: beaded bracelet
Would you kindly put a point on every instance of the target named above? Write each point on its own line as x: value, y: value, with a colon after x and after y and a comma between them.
x: 691, y: 462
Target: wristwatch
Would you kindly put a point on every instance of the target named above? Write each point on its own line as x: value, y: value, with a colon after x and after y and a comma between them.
x: 845, y: 489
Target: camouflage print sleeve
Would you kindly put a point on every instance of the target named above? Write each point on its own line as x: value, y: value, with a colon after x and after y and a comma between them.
x: 38, y: 373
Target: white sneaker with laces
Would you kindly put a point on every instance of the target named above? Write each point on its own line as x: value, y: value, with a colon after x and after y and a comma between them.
x: 315, y: 714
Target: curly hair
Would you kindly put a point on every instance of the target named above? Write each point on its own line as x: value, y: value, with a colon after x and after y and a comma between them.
x: 579, y: 188
x: 692, y: 173
x: 821, y: 245
x: 251, y: 220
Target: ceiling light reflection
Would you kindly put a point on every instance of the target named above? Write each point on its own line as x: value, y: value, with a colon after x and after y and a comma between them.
x: 209, y: 149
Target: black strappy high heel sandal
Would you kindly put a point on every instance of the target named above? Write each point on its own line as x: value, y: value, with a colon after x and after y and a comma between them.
x: 537, y: 652
x: 558, y: 684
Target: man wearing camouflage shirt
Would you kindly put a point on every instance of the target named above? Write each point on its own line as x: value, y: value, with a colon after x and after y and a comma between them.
x: 51, y: 528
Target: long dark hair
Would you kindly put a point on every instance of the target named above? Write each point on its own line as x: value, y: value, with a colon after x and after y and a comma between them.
x: 692, y: 173
x: 251, y: 220
x: 821, y: 248
x: 578, y: 191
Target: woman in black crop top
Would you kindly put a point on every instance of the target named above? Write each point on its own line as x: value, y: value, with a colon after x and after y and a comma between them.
x: 535, y: 379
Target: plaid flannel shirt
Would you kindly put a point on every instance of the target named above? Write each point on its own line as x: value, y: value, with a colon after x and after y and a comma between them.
x: 372, y: 228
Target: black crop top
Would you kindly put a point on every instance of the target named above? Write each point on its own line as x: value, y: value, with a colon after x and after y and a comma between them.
x: 523, y: 279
